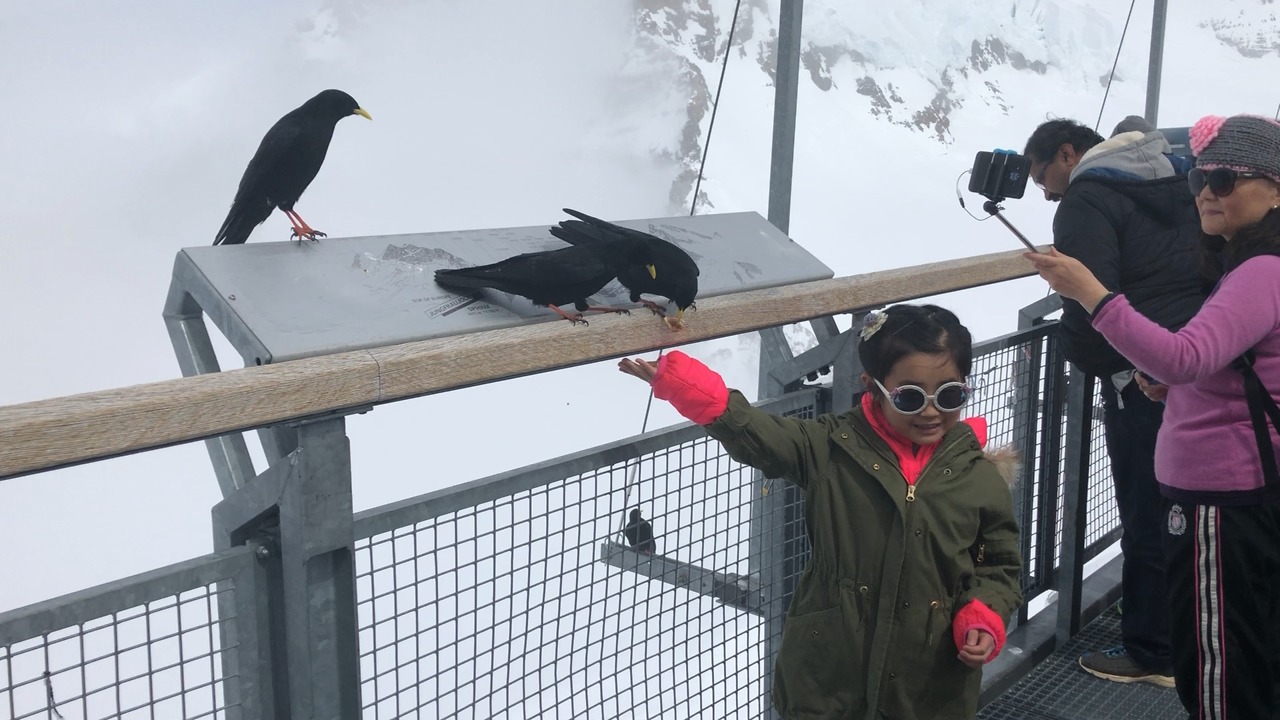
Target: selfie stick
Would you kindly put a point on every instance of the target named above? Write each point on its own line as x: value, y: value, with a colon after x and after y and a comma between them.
x: 993, y: 208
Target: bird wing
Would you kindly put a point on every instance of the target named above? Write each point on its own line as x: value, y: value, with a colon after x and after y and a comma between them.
x: 605, y: 225
x: 577, y: 232
x: 550, y: 277
x: 254, y: 202
x: 273, y: 154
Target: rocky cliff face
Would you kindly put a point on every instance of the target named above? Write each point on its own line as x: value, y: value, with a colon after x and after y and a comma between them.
x: 1252, y: 28
x: 913, y: 63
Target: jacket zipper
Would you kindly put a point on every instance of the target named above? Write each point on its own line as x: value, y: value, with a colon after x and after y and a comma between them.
x: 911, y: 488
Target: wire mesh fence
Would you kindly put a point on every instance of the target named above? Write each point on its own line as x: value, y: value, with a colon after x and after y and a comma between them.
x: 1103, y: 516
x: 147, y: 647
x: 523, y: 597
x: 533, y: 603
x: 535, y: 593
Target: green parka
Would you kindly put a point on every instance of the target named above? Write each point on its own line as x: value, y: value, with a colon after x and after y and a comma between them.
x: 868, y: 632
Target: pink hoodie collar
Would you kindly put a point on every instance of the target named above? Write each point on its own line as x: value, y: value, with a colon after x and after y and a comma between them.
x: 911, y: 459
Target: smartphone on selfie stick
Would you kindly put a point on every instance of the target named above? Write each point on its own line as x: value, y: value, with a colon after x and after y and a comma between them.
x: 998, y: 175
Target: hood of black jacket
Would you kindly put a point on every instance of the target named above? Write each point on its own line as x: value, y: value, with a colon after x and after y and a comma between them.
x: 1140, y: 166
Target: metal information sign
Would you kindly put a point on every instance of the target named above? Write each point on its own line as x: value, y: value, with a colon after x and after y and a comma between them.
x: 279, y: 301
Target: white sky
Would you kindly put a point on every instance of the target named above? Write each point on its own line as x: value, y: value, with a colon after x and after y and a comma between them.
x: 128, y: 124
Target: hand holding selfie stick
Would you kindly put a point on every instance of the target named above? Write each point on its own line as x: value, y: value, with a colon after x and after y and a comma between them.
x: 993, y: 208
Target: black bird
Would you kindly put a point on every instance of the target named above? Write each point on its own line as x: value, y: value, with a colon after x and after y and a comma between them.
x: 640, y: 534
x: 552, y: 277
x: 287, y: 160
x: 674, y: 274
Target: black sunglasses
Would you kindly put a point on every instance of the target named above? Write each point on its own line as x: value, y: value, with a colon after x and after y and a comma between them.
x: 911, y: 400
x: 1221, y: 181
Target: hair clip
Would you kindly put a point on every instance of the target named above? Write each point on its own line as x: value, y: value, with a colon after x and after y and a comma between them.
x: 871, y: 324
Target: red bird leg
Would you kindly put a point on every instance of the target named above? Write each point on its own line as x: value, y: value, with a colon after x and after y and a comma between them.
x: 575, y: 319
x: 606, y: 309
x: 301, y: 229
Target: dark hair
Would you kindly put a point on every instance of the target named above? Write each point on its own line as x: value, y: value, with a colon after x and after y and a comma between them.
x: 911, y: 329
x: 1051, y: 135
x: 1220, y: 257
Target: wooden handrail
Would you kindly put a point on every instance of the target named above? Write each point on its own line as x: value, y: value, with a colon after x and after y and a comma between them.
x: 63, y: 431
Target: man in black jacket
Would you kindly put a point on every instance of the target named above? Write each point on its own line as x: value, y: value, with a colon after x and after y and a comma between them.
x: 1127, y: 213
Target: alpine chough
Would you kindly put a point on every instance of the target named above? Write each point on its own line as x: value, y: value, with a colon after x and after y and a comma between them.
x: 674, y: 274
x: 286, y: 162
x: 639, y: 533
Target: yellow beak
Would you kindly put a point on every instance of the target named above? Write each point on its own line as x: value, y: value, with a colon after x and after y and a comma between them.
x: 362, y: 113
x: 653, y: 272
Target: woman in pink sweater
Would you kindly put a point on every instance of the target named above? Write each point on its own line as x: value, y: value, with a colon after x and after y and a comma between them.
x: 1222, y: 537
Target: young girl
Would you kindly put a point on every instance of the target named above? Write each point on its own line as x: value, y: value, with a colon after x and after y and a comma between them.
x: 915, y: 562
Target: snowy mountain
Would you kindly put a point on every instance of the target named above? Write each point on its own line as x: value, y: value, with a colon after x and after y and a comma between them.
x: 916, y: 64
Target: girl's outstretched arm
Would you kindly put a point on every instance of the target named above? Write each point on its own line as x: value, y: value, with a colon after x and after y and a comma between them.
x: 780, y: 447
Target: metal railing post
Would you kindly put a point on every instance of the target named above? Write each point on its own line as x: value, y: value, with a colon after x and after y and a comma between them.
x: 316, y: 552
x: 1075, y: 488
x: 1155, y: 66
x: 299, y: 512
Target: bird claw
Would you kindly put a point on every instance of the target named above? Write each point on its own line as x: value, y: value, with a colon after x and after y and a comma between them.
x: 654, y: 308
x: 312, y: 235
x: 577, y: 318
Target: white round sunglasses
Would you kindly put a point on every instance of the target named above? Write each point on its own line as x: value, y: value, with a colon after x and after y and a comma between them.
x: 912, y: 400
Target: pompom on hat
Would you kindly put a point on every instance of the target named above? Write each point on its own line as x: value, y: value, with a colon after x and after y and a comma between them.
x: 1239, y: 142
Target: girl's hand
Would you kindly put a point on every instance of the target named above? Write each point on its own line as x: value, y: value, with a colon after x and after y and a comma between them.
x: 1069, y: 278
x: 643, y: 369
x: 978, y: 646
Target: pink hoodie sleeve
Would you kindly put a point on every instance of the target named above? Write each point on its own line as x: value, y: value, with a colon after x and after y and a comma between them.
x: 977, y: 616
x: 1243, y: 311
x: 696, y: 391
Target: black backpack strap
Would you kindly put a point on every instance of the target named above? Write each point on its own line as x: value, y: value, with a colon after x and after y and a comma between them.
x: 1261, y: 407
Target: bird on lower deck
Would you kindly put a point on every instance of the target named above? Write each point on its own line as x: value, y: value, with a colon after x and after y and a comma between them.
x: 550, y: 278
x: 286, y: 162
x: 639, y: 533
x: 674, y: 274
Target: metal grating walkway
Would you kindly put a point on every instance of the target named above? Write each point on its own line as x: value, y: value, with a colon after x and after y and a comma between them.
x: 1057, y: 689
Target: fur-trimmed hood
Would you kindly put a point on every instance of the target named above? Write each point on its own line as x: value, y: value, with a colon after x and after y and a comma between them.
x: 1006, y: 458
x: 1008, y: 462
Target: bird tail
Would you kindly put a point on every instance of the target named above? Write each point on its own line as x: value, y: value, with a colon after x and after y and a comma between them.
x: 239, y: 224
x: 471, y: 277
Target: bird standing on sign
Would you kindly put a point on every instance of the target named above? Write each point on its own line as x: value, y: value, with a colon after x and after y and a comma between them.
x: 639, y: 534
x: 551, y: 278
x: 286, y: 162
x: 674, y: 275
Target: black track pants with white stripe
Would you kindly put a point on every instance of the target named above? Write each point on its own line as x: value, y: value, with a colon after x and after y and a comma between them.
x: 1224, y: 602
